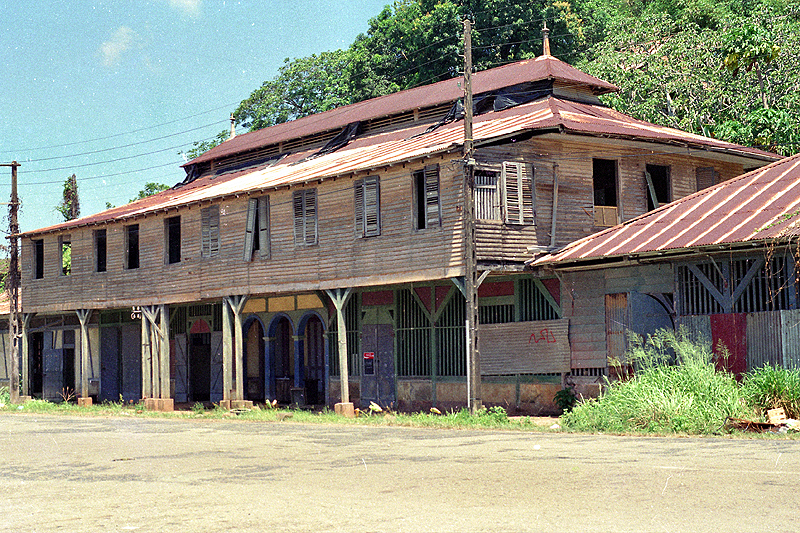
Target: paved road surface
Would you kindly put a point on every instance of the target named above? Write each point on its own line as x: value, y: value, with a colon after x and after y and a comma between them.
x: 120, y: 474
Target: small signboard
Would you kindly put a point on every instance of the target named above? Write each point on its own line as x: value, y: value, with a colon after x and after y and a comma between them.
x: 369, y: 363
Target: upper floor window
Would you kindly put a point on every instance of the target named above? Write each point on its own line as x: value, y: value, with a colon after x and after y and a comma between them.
x: 427, y: 207
x: 658, y: 187
x: 368, y: 207
x: 38, y: 258
x: 100, y: 250
x: 706, y: 177
x: 604, y: 180
x: 256, y: 238
x: 505, y: 194
x: 132, y: 246
x: 65, y: 245
x: 172, y: 234
x: 209, y: 230
x: 304, y: 205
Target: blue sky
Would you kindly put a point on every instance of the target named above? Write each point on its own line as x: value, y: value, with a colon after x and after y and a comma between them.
x: 113, y: 91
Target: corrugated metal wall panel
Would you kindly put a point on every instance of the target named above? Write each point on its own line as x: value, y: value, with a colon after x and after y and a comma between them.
x: 764, y: 345
x: 540, y: 347
x: 617, y: 325
x: 698, y: 326
x: 790, y: 338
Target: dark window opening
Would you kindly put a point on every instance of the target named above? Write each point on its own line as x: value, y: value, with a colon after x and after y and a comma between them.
x: 657, y: 183
x: 132, y: 246
x: 427, y: 209
x: 100, y: 250
x: 173, y: 230
x: 604, y: 176
x: 66, y: 255
x: 38, y: 259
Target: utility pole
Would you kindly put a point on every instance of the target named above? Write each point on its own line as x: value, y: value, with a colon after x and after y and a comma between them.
x: 470, y: 256
x: 12, y: 283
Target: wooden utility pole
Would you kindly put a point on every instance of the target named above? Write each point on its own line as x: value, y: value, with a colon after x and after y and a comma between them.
x: 12, y: 283
x: 470, y: 256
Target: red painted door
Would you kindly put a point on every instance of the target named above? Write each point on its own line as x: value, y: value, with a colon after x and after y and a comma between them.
x: 731, y: 331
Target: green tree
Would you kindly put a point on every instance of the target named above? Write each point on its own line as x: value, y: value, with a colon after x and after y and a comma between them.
x: 150, y: 188
x: 70, y: 207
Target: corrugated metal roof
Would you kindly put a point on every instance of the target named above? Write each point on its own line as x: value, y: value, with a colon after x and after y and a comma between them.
x: 385, y: 149
x: 541, y: 68
x: 762, y: 205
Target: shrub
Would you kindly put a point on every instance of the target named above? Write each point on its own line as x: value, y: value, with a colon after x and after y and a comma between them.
x: 769, y: 387
x: 5, y: 396
x: 675, y: 388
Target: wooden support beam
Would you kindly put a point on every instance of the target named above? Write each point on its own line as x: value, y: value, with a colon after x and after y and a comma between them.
x: 236, y: 305
x: 339, y: 298
x: 147, y: 382
x: 227, y: 351
x: 83, y: 318
x: 163, y: 340
x: 555, y: 206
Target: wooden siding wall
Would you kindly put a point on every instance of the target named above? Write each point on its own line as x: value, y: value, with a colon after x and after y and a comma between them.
x: 583, y: 303
x: 340, y: 259
x: 573, y: 156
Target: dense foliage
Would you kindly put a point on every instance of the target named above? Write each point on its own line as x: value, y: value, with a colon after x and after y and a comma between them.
x: 721, y: 68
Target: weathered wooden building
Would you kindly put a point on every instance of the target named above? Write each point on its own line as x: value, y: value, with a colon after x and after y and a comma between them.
x: 722, y: 262
x: 224, y: 286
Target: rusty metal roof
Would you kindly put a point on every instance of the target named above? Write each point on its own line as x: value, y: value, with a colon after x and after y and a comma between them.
x: 374, y: 151
x: 755, y: 208
x: 541, y: 68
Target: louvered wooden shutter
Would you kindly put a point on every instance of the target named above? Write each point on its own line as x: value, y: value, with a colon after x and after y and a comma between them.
x: 512, y: 189
x: 706, y: 177
x: 528, y: 195
x: 209, y: 224
x: 372, y: 207
x: 310, y: 208
x: 433, y: 213
x: 299, y: 215
x: 252, y: 205
x: 263, y: 227
x: 358, y: 201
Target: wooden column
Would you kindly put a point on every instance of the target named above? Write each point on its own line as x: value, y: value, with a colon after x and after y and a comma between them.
x: 151, y: 352
x: 339, y: 298
x: 163, y: 340
x: 147, y: 362
x: 83, y: 318
x: 233, y: 347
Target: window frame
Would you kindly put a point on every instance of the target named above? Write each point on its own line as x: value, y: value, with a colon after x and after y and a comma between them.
x: 257, y: 229
x: 367, y: 203
x: 306, y: 217
x: 129, y: 247
x: 172, y: 240
x: 38, y: 258
x: 427, y: 205
x: 64, y: 244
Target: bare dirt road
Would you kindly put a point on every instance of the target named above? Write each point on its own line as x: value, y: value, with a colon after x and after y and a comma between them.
x: 93, y: 474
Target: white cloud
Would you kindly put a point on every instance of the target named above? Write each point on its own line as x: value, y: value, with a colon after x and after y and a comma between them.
x: 189, y: 7
x: 120, y: 42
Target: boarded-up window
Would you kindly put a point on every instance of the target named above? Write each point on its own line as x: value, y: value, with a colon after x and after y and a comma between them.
x: 427, y: 206
x: 257, y: 238
x: 209, y: 223
x: 132, y: 246
x: 517, y: 194
x: 38, y: 259
x: 304, y: 205
x: 100, y: 251
x: 706, y: 177
x: 367, y: 207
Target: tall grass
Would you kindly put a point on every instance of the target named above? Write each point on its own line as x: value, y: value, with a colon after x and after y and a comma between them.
x: 674, y: 388
x: 769, y: 387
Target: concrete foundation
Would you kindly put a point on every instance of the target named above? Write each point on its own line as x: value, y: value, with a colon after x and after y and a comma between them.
x: 159, y: 404
x: 85, y: 402
x: 346, y: 410
x: 235, y: 404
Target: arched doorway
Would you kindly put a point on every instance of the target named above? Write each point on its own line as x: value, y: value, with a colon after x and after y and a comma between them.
x: 314, y: 359
x: 281, y: 360
x: 254, y: 360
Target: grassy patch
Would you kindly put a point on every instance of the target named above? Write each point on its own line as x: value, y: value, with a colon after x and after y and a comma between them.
x: 769, y: 387
x: 674, y: 388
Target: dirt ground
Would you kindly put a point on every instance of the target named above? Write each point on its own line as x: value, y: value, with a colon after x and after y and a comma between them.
x: 126, y: 474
